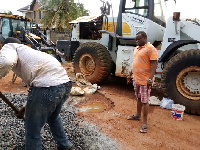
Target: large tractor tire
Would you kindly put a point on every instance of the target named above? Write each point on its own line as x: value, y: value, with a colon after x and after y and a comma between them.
x: 181, y: 80
x: 94, y: 61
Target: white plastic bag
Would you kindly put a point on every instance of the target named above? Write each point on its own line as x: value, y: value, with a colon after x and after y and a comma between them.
x: 166, y: 103
x: 76, y: 91
x: 153, y: 100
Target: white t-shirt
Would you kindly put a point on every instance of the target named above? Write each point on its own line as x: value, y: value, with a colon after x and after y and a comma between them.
x: 36, y: 68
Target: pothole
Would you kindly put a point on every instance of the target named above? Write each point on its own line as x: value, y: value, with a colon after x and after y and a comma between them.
x: 91, y: 103
x: 93, y: 107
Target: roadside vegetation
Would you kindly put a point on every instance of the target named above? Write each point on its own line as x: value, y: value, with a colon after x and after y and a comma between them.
x: 59, y: 13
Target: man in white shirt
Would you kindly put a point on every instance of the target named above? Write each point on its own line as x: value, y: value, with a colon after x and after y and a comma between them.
x: 49, y: 87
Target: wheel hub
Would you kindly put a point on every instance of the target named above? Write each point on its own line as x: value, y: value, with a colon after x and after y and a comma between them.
x: 87, y: 64
x: 188, y: 82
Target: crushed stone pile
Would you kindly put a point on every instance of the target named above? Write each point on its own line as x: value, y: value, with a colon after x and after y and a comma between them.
x: 83, y: 135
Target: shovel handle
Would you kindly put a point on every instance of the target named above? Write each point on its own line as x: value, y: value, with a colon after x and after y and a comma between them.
x: 6, y: 100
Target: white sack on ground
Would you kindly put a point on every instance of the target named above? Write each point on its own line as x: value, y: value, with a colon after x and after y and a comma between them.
x: 76, y: 91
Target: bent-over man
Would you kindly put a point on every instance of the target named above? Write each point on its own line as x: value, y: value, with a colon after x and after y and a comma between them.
x: 49, y: 87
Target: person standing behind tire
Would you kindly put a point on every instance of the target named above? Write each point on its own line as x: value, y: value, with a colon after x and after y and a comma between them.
x: 49, y: 87
x: 144, y: 65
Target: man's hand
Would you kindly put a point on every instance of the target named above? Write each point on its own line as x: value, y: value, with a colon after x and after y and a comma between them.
x: 128, y: 80
x: 149, y: 83
x: 21, y: 113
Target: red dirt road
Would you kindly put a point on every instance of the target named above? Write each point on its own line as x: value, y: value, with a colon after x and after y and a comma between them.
x: 163, y: 132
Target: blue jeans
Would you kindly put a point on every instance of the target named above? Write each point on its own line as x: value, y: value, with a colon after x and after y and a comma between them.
x: 44, y: 105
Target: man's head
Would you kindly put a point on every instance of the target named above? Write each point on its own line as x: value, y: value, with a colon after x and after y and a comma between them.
x: 141, y: 38
x: 11, y: 40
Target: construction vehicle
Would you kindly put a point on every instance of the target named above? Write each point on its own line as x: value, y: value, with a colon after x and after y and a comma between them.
x: 11, y: 25
x: 101, y: 45
x: 29, y: 34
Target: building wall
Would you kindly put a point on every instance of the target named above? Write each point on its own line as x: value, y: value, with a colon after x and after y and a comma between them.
x: 36, y: 13
x: 54, y: 36
x: 28, y: 15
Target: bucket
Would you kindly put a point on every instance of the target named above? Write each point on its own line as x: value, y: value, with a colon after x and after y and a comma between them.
x: 177, y: 111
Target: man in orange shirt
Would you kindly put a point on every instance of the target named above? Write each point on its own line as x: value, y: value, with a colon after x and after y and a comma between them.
x: 144, y: 65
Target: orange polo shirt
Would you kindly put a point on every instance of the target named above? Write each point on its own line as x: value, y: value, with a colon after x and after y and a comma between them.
x: 141, y: 67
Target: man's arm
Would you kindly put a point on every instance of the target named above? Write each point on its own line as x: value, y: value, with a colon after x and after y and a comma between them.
x: 154, y: 64
x: 8, y: 58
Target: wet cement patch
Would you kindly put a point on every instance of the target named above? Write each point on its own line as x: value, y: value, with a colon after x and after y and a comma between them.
x: 91, y: 103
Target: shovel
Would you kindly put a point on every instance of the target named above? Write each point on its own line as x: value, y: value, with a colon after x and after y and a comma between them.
x: 7, y: 101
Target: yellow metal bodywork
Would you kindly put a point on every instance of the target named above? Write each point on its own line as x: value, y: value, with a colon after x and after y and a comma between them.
x: 110, y: 28
x: 34, y: 36
x: 15, y: 17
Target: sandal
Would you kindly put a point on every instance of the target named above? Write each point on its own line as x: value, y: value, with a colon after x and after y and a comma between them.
x: 133, y: 117
x: 143, y: 129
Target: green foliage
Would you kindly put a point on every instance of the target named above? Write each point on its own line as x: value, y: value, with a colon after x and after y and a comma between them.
x: 58, y: 13
x: 9, y: 13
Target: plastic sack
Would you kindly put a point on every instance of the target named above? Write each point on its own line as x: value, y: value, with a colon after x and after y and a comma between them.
x: 76, y: 91
x: 166, y: 103
x: 153, y: 100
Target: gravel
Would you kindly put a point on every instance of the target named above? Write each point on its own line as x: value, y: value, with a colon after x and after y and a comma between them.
x: 83, y: 135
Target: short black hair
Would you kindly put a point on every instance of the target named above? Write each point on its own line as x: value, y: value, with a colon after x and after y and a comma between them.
x: 11, y: 40
x: 142, y: 33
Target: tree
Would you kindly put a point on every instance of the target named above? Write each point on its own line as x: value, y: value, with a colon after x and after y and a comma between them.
x: 59, y: 13
x: 9, y: 12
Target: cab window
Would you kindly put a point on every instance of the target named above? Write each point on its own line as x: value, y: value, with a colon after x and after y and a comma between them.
x: 5, y: 28
x: 158, y: 10
x: 137, y: 6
